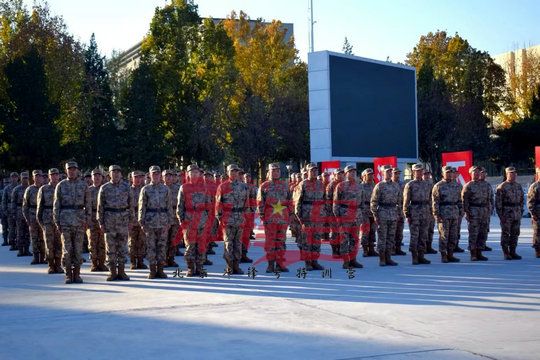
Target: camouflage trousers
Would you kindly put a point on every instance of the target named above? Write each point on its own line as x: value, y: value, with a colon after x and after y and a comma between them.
x: 232, y: 239
x: 478, y: 231
x: 510, y: 230
x: 536, y: 234
x: 23, y: 233
x: 386, y: 231
x: 419, y: 234
x: 448, y: 235
x: 400, y: 225
x: 36, y: 238
x: 295, y: 227
x: 274, y: 241
x: 332, y: 233
x: 96, y: 243
x: 53, y: 242
x: 196, y: 237
x: 136, y: 242
x: 12, y: 230
x: 5, y: 229
x: 309, y: 242
x: 349, y: 236
x: 431, y: 230
x: 156, y: 245
x: 368, y: 231
x: 72, y: 245
x: 116, y: 245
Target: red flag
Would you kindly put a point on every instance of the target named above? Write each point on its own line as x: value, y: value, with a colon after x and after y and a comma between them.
x: 537, y: 155
x: 330, y: 166
x: 379, y: 162
x: 462, y: 161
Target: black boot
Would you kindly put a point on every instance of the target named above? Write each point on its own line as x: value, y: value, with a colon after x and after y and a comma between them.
x: 236, y: 268
x: 77, y: 274
x: 457, y: 249
x: 271, y: 267
x: 160, y: 274
x: 389, y: 260
x: 140, y: 263
x: 513, y: 253
x: 444, y: 257
x: 451, y: 257
x: 355, y: 264
x: 35, y: 259
x: 316, y: 266
x: 153, y: 271
x: 474, y: 256
x: 382, y: 259
x: 399, y: 251
x: 480, y: 256
x: 506, y: 252
x: 69, y: 275
x: 414, y: 255
x: 422, y: 260
x: 113, y: 275
x: 122, y: 273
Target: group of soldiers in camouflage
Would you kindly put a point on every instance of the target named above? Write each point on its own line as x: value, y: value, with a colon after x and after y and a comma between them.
x: 150, y: 219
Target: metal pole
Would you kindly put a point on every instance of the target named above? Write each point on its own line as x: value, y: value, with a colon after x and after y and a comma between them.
x: 311, y: 23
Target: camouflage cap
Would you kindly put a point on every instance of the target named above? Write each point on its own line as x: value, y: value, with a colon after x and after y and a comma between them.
x: 154, y: 168
x: 53, y: 171
x: 37, y: 173
x: 473, y: 169
x: 311, y: 166
x: 167, y: 172
x: 14, y: 174
x: 192, y: 167
x: 349, y: 168
x: 273, y: 166
x: 115, y: 167
x: 386, y: 167
x: 233, y: 167
x: 25, y: 175
x: 510, y: 169
x: 137, y: 173
x: 97, y: 171
x: 396, y: 170
x: 338, y: 170
x: 367, y: 171
x: 71, y: 164
x: 418, y: 166
x: 447, y: 168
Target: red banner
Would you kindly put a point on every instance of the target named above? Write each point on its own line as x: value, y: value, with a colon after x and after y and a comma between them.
x: 378, y: 163
x: 330, y: 166
x: 537, y: 155
x: 462, y: 161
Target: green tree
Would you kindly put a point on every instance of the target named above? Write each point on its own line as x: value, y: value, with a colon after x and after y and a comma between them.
x: 347, y: 48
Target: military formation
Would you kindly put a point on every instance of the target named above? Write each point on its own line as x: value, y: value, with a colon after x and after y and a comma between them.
x: 152, y: 215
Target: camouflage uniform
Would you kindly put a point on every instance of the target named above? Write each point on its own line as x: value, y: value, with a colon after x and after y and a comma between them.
x: 417, y: 209
x: 136, y: 241
x: 71, y: 213
x: 250, y: 221
x: 447, y: 205
x: 53, y: 243
x: 196, y: 214
x: 477, y: 207
x: 348, y: 209
x: 96, y: 238
x: 509, y: 207
x: 491, y: 193
x: 533, y: 205
x: 23, y: 235
x: 9, y: 227
x: 332, y: 227
x: 155, y: 217
x: 310, y: 209
x: 431, y: 223
x: 400, y: 226
x: 36, y: 235
x: 114, y: 214
x: 274, y: 205
x: 173, y: 229
x: 231, y: 205
x: 386, y: 199
x: 368, y: 229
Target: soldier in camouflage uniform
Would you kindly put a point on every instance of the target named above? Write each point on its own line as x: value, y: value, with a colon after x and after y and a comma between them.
x: 211, y: 187
x: 457, y: 248
x: 155, y: 217
x: 9, y: 183
x: 417, y: 211
x: 250, y: 217
x: 168, y: 177
x: 115, y: 216
x: 72, y: 212
x: 347, y: 207
x: 195, y: 216
x: 232, y: 200
x: 477, y: 209
x: 368, y: 229
x: 309, y: 207
x: 489, y: 189
x: 332, y: 226
x: 431, y: 227
x: 29, y: 211
x: 23, y: 235
x: 386, y: 202
x: 294, y: 223
x: 533, y: 205
x: 400, y: 225
x: 136, y: 242
x: 94, y: 233
x: 447, y: 208
x: 509, y: 207
x: 44, y: 215
x: 274, y: 205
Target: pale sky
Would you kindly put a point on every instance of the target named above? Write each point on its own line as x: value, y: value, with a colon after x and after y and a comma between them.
x: 376, y: 29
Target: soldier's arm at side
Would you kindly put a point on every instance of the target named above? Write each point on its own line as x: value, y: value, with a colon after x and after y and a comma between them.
x: 87, y: 206
x: 499, y: 201
x: 374, y: 202
x: 39, y: 210
x: 142, y: 207
x: 100, y: 209
x: 181, y: 206
x: 261, y: 201
x: 57, y: 206
x: 406, y: 200
x: 25, y: 208
x: 435, y: 198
